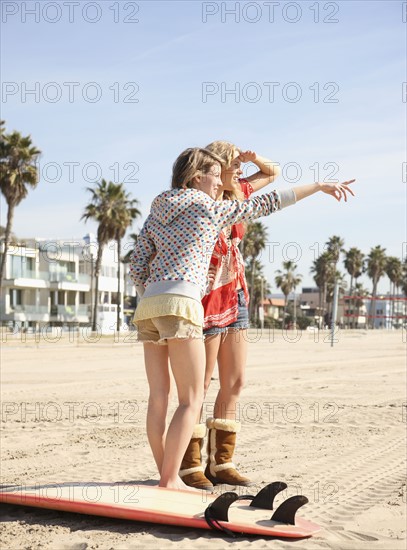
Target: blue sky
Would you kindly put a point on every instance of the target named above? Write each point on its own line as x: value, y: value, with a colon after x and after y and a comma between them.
x: 337, y: 70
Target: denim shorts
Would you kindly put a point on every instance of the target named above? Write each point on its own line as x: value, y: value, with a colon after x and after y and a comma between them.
x: 242, y: 321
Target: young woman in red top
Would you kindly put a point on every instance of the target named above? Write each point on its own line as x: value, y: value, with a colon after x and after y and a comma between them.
x: 225, y: 325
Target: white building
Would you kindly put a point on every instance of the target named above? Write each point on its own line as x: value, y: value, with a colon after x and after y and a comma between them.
x: 389, y: 311
x: 49, y: 283
x: 350, y: 312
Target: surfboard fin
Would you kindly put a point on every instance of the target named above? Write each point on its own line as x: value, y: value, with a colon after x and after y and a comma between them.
x: 285, y: 513
x: 219, y: 508
x: 265, y: 497
x: 218, y: 511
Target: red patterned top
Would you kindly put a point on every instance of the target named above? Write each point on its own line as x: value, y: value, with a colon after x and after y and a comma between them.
x: 220, y: 302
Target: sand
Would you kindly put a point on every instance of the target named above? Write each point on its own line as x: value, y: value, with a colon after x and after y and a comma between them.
x: 330, y: 422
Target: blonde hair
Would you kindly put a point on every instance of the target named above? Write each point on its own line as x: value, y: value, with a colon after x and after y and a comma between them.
x: 192, y: 162
x: 227, y: 152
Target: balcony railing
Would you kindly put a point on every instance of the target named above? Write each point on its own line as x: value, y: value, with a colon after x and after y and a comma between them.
x: 53, y: 277
x: 69, y: 278
x: 21, y: 308
x: 83, y: 279
x: 26, y: 274
x: 58, y: 277
x: 66, y: 312
x: 107, y: 307
x: 69, y: 311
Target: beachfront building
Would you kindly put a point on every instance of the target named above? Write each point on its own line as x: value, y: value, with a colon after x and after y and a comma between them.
x: 310, y: 302
x: 49, y: 283
x: 385, y: 311
x: 306, y: 304
x: 389, y: 311
x: 273, y: 307
x: 354, y: 312
x: 350, y: 313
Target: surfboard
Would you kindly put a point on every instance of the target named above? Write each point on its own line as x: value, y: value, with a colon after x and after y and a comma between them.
x: 229, y: 512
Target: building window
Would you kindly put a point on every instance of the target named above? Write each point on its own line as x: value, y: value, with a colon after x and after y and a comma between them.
x: 68, y: 267
x: 16, y: 266
x: 61, y: 271
x: 16, y: 297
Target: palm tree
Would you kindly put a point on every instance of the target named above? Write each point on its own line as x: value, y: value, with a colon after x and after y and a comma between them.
x: 334, y: 246
x: 323, y: 269
x: 126, y: 258
x: 259, y: 288
x: 126, y: 212
x: 360, y: 292
x: 287, y: 281
x: 403, y: 284
x: 354, y: 260
x: 18, y: 158
x: 375, y: 267
x: 253, y: 243
x: 394, y: 271
x: 3, y: 233
x: 130, y: 301
x: 108, y: 208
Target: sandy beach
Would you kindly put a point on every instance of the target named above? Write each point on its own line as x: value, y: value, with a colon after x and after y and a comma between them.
x: 330, y: 422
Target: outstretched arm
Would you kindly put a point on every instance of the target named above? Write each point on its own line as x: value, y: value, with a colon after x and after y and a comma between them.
x: 337, y: 190
x: 230, y: 212
x: 268, y: 170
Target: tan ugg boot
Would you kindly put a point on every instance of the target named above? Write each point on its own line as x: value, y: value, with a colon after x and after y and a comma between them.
x: 221, y: 446
x: 191, y: 471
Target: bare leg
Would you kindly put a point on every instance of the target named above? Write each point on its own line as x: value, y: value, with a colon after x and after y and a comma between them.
x: 158, y: 376
x: 187, y: 357
x: 212, y: 345
x: 225, y: 425
x: 232, y: 362
x: 211, y: 355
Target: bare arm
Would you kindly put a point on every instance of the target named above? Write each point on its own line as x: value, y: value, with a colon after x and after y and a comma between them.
x: 268, y: 170
x: 337, y: 190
